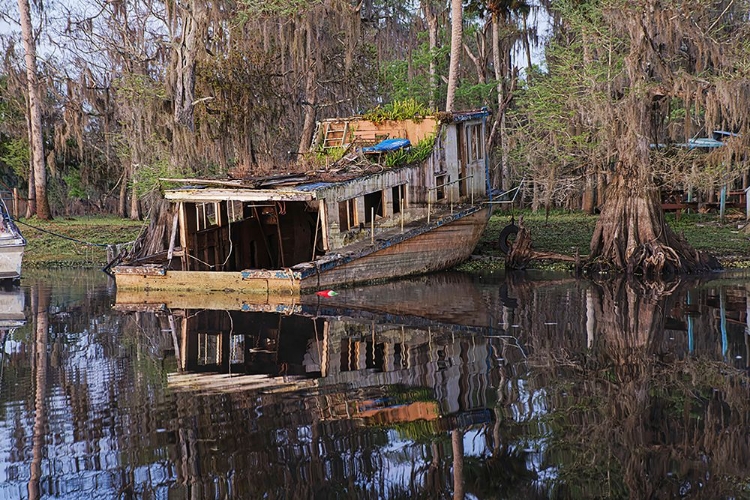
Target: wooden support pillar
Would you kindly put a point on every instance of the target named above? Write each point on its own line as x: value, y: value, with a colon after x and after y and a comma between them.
x: 188, y: 227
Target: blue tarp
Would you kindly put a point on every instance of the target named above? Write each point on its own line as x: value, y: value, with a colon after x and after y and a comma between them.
x: 702, y: 142
x: 716, y: 141
x: 387, y: 146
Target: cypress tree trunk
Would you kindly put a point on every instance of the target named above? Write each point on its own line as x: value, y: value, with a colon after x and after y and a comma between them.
x: 35, y: 115
x: 631, y: 234
x: 311, y: 94
x: 456, y: 46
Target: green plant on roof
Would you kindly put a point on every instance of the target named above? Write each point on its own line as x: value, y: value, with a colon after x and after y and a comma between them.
x: 416, y: 154
x: 408, y: 109
x: 333, y: 153
x: 326, y: 156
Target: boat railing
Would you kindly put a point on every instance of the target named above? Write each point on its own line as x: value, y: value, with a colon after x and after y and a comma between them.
x: 470, y: 178
x: 504, y: 196
x: 450, y: 195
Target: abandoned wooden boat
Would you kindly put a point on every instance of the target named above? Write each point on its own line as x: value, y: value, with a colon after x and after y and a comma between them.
x: 380, y: 211
x: 12, y: 246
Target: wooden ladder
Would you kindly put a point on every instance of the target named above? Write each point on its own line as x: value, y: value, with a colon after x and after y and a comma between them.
x: 335, y: 134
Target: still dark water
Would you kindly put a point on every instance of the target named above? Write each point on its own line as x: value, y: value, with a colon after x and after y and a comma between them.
x: 437, y: 387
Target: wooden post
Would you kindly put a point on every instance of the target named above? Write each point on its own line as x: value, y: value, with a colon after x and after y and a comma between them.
x: 402, y: 214
x: 747, y: 203
x: 15, y: 203
x: 315, y: 238
x: 323, y: 223
x: 429, y: 205
x: 173, y: 236
x: 722, y: 202
x: 372, y: 225
x: 278, y: 232
x: 188, y: 220
x: 262, y: 233
x: 175, y: 342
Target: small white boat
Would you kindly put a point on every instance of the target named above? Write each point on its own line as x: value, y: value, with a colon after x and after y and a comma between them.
x: 12, y: 246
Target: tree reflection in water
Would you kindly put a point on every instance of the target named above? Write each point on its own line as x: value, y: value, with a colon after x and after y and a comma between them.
x: 579, y: 396
x: 635, y: 415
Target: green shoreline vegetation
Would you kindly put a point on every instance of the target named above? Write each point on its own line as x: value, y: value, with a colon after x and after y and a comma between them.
x: 564, y: 231
x: 561, y: 232
x: 78, y: 242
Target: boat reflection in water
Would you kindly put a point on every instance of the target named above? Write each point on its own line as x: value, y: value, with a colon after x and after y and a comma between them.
x: 440, y: 386
x: 339, y: 383
x: 369, y: 337
x: 12, y: 313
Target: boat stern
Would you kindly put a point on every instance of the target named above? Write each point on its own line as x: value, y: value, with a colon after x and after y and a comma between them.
x: 11, y: 257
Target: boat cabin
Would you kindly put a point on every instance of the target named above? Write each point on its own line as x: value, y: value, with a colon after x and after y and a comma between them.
x: 279, y: 222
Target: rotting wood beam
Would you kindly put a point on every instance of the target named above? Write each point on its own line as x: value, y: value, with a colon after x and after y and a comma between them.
x: 222, y: 236
x: 173, y: 235
x: 315, y: 236
x: 214, y: 182
x: 187, y: 217
x: 249, y: 195
x: 323, y: 214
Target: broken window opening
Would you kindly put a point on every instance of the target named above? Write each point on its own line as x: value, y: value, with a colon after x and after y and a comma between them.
x: 209, y: 349
x: 235, y: 211
x: 347, y: 214
x: 475, y: 143
x: 440, y: 182
x: 373, y: 205
x: 375, y: 356
x: 206, y: 215
x: 398, y: 193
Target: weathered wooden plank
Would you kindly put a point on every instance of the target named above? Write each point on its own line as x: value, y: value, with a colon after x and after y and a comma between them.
x: 260, y: 282
x: 214, y: 383
x: 187, y: 221
x: 139, y: 307
x: 254, y: 195
x: 151, y: 300
x: 146, y: 270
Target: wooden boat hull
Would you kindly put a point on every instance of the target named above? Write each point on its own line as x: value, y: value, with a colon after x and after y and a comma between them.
x: 441, y: 245
x: 449, y: 243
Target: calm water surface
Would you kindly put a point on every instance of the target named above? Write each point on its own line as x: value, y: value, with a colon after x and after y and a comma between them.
x: 437, y: 387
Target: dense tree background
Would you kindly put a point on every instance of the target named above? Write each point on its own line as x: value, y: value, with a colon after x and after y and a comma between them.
x: 134, y: 91
x: 137, y: 90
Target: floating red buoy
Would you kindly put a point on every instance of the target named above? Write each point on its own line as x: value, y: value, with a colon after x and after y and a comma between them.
x: 326, y: 293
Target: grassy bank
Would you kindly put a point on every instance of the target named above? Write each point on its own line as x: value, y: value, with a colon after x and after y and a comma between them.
x: 60, y: 243
x: 563, y: 232
x: 74, y: 242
